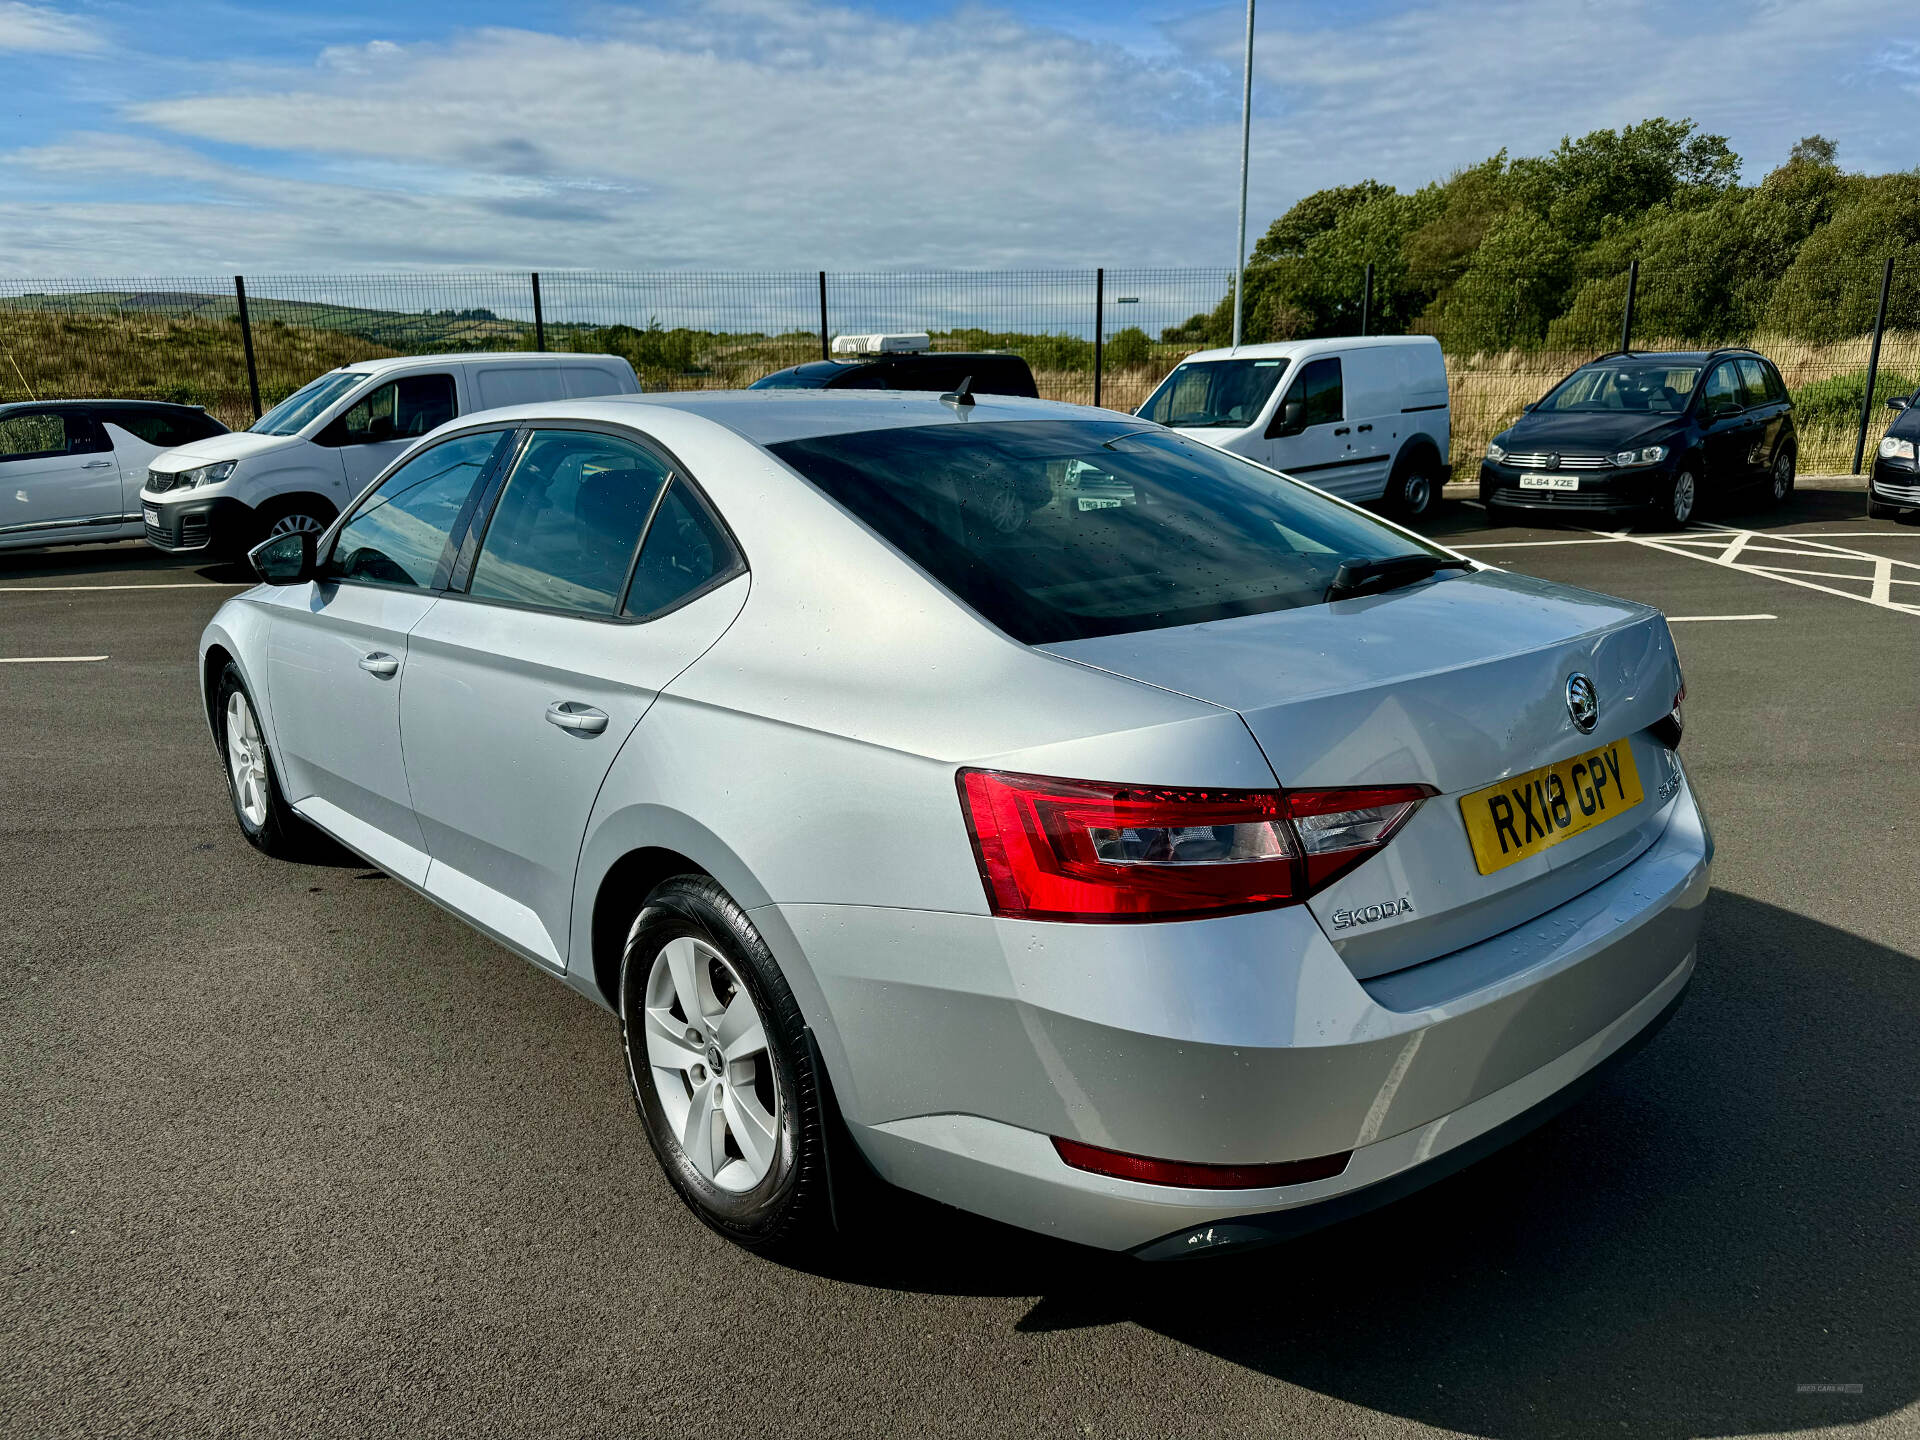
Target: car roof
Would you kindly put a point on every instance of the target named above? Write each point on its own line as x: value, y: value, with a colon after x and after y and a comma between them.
x: 83, y: 404
x: 1677, y: 357
x: 1299, y: 349
x: 771, y: 417
x: 467, y: 357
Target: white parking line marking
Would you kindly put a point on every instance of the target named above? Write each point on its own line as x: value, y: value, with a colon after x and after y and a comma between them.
x: 170, y: 585
x: 1535, y: 544
x: 1691, y: 619
x: 1724, y: 544
x: 48, y: 659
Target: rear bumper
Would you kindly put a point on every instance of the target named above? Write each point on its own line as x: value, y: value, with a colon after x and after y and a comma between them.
x: 960, y: 1044
x: 178, y: 523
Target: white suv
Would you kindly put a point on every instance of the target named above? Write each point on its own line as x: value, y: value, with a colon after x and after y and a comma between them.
x: 1364, y: 418
x: 301, y: 462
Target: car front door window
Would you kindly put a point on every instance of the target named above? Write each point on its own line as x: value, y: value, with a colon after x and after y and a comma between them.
x: 400, y: 535
x: 56, y: 469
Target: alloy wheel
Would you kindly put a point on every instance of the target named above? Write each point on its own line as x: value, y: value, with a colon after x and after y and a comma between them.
x: 298, y: 523
x: 1782, y: 476
x: 1683, y: 497
x: 707, y: 1057
x: 246, y: 760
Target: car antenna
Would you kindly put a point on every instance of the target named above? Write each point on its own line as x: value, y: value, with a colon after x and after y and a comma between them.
x: 962, y: 395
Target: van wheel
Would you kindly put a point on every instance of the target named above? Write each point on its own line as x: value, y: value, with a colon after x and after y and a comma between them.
x: 292, y: 515
x: 721, y: 1071
x: 1413, y: 489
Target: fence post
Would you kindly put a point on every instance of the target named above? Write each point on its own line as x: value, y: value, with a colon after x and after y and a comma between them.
x: 1366, y: 300
x: 825, y: 354
x: 1099, y: 327
x: 246, y: 343
x: 539, y: 320
x: 1626, y: 320
x: 1873, y: 365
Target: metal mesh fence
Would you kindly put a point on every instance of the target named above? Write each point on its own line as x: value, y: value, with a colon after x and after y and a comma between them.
x: 1507, y: 339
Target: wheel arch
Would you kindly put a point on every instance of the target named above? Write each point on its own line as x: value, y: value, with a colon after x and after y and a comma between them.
x: 1414, y: 447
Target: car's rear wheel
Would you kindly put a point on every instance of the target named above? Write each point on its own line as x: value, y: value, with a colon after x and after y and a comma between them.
x: 265, y: 817
x: 1782, y: 478
x: 1414, y: 487
x: 721, y: 1071
x: 1675, y: 500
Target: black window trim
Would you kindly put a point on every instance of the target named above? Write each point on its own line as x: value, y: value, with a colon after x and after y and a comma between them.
x: 323, y: 548
x: 494, y: 486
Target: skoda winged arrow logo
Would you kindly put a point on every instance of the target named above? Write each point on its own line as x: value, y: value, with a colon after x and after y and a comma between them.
x: 1583, y: 703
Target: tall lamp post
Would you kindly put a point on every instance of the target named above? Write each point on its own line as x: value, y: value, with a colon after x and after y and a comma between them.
x: 1246, y: 128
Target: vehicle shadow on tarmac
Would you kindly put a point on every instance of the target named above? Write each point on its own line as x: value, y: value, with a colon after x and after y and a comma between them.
x: 1730, y: 1216
x: 1747, y: 511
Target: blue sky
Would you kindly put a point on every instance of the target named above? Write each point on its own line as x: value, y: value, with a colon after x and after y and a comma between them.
x: 142, y: 138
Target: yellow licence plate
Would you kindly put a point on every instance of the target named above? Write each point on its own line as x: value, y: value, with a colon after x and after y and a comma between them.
x: 1533, y: 812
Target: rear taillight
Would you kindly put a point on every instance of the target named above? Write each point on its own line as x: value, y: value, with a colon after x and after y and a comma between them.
x: 1670, y: 727
x: 1079, y: 850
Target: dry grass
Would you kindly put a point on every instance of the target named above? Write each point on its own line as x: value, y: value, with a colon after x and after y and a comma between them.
x: 196, y: 359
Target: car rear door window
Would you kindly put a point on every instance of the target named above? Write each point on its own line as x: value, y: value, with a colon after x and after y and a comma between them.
x: 686, y: 550
x: 33, y: 434
x: 399, y: 534
x: 563, y: 534
x: 165, y: 428
x: 1753, y: 384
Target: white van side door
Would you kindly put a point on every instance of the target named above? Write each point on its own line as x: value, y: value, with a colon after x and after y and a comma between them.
x: 1311, y: 436
x: 1373, y: 387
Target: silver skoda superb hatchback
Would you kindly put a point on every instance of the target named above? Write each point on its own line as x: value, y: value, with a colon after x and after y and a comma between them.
x: 1125, y: 841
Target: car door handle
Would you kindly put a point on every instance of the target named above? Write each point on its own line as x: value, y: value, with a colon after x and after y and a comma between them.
x: 1341, y: 430
x: 580, y: 719
x: 98, y: 465
x: 380, y: 663
x: 1364, y: 427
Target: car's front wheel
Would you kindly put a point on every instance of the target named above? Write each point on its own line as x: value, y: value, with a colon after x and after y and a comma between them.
x: 265, y: 817
x: 1782, y: 478
x: 1674, y: 500
x: 720, y: 1067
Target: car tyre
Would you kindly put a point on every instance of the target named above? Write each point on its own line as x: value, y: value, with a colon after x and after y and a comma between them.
x: 729, y: 1098
x: 289, y: 515
x: 1781, y: 480
x: 1675, y: 501
x: 253, y: 783
x: 1879, y: 509
x: 1413, y: 489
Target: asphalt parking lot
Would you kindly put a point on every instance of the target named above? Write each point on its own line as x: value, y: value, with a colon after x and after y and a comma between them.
x: 290, y: 1151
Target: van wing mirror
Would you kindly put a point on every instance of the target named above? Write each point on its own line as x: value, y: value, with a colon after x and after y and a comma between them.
x: 1286, y: 420
x: 284, y: 559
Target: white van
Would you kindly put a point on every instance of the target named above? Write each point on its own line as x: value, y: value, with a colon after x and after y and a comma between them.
x: 1364, y: 418
x: 313, y: 452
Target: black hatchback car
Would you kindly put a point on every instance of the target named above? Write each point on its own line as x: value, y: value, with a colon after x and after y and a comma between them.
x: 1894, y: 484
x: 1648, y: 437
x: 991, y: 374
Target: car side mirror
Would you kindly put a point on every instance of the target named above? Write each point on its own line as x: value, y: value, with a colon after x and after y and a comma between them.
x: 1898, y: 402
x: 1286, y: 420
x: 284, y: 559
x: 1529, y: 407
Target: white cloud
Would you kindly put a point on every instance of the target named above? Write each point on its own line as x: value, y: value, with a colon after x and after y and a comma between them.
x: 43, y: 30
x: 792, y: 134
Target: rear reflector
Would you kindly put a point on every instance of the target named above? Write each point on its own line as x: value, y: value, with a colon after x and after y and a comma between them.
x: 1198, y: 1177
x: 1081, y: 850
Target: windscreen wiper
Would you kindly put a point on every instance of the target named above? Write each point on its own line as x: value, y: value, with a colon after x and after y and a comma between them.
x: 1359, y: 575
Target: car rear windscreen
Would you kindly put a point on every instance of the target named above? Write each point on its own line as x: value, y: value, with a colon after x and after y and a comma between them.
x: 1063, y: 529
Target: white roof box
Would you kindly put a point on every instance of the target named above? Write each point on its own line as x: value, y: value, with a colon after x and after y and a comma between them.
x: 881, y: 344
